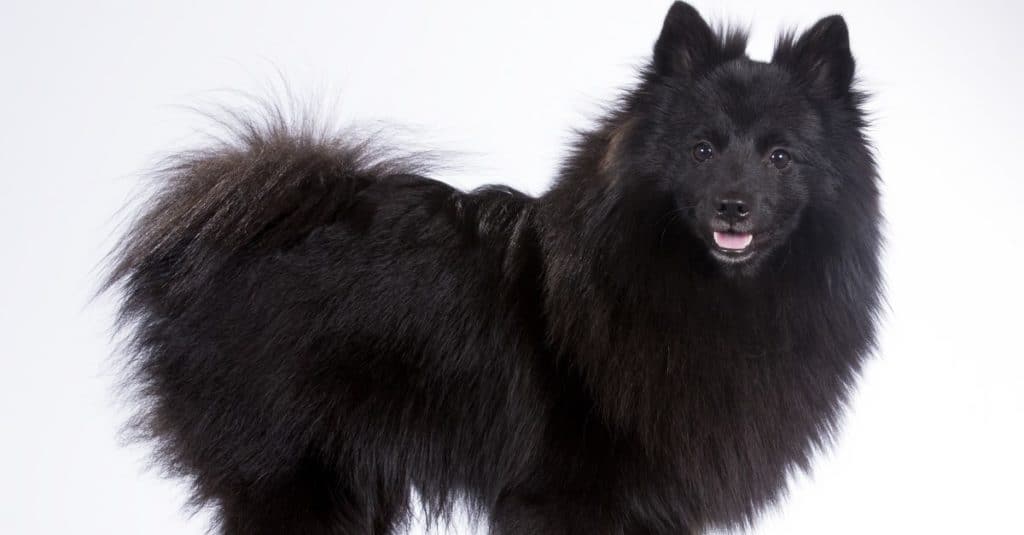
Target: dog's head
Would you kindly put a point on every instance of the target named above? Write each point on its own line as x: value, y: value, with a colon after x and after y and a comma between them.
x: 743, y: 147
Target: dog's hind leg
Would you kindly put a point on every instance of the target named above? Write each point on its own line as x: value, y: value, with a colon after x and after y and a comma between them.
x: 312, y: 501
x: 566, y: 515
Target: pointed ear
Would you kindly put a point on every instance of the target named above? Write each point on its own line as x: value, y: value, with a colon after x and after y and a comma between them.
x: 686, y: 44
x: 821, y: 57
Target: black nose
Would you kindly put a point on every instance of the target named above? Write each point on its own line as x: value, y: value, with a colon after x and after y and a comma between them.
x: 733, y: 209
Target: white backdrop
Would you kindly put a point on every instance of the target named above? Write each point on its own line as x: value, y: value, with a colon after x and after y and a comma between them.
x: 93, y: 92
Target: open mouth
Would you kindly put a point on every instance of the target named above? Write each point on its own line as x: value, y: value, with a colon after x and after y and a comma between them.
x: 733, y: 241
x: 733, y: 246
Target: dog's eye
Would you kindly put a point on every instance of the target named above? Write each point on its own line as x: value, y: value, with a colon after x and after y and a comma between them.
x: 780, y: 159
x: 702, y: 151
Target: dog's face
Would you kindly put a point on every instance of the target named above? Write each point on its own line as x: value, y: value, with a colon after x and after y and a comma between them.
x: 745, y: 145
x: 747, y: 174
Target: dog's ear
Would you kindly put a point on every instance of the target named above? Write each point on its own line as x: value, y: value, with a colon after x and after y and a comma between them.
x: 820, y: 58
x: 686, y: 44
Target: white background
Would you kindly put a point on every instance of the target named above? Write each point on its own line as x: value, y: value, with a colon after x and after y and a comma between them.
x: 91, y: 93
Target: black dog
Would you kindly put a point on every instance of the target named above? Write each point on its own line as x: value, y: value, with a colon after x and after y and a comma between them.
x: 647, y: 348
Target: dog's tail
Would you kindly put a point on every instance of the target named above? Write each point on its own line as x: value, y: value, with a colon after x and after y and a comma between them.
x: 265, y: 187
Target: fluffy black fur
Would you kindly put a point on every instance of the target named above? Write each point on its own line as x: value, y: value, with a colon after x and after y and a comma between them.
x: 315, y: 329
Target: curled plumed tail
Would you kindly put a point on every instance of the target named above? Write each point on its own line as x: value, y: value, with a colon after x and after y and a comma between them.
x: 265, y: 187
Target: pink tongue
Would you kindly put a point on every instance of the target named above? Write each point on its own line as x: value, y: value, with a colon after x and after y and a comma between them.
x: 733, y: 240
